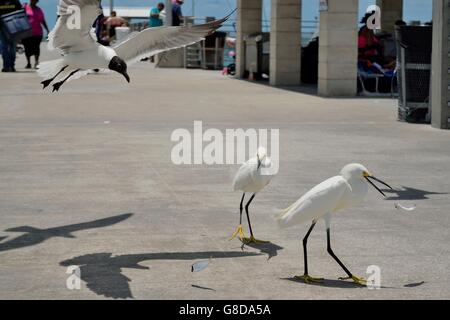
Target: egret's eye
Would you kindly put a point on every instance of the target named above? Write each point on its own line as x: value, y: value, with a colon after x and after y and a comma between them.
x: 366, y: 174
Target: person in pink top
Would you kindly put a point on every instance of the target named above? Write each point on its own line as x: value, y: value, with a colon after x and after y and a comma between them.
x: 32, y: 44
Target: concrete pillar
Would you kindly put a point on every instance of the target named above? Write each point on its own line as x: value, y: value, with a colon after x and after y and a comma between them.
x: 249, y: 20
x: 168, y: 7
x: 285, y: 43
x: 391, y: 11
x: 338, y: 49
x: 440, y: 97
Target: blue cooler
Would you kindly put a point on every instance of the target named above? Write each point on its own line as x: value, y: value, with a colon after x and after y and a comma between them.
x: 15, y: 25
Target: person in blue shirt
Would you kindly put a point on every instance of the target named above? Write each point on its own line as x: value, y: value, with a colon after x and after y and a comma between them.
x: 177, y: 15
x: 155, y: 19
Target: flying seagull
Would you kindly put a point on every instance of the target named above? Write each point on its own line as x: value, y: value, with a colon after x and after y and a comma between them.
x: 251, y: 179
x: 81, y: 52
x: 343, y: 191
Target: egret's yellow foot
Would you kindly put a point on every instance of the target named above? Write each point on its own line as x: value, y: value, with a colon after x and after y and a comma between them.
x: 252, y: 239
x: 308, y: 279
x: 239, y: 232
x: 358, y: 280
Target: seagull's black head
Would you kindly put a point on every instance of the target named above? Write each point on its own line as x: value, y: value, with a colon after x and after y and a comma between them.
x: 119, y: 66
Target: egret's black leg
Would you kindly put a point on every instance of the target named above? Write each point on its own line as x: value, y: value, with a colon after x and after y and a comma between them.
x: 58, y: 85
x: 241, y: 207
x: 252, y: 238
x: 330, y: 251
x: 306, y: 277
x: 240, y: 230
x: 305, y: 250
x: 350, y: 275
x: 248, y: 216
x: 46, y: 83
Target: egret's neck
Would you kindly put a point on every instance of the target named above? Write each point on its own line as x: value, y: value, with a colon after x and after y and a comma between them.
x: 266, y: 162
x: 359, y: 190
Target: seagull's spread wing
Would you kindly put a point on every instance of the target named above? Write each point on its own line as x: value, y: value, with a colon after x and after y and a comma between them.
x: 155, y: 40
x: 72, y: 31
x: 324, y: 198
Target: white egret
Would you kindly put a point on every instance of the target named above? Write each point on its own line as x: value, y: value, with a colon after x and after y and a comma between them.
x: 251, y: 178
x: 343, y: 191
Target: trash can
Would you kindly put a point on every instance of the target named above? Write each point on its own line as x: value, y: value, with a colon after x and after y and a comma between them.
x: 414, y: 45
x: 257, y: 55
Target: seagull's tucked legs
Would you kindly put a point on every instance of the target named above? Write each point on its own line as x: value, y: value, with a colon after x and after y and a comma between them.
x: 306, y: 277
x: 252, y: 239
x: 47, y: 82
x: 239, y: 231
x: 356, y: 279
x: 58, y: 85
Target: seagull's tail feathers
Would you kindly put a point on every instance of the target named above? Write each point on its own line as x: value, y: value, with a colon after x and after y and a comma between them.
x: 49, y: 69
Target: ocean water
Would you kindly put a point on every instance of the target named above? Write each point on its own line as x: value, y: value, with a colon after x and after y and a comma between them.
x: 413, y: 9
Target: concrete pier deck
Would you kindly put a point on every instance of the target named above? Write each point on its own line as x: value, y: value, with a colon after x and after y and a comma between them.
x: 73, y: 163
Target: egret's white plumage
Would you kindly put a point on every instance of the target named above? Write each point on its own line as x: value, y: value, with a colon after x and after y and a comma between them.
x: 253, y: 176
x: 249, y: 177
x: 327, y: 197
x: 347, y: 189
x: 334, y: 194
x: 81, y: 52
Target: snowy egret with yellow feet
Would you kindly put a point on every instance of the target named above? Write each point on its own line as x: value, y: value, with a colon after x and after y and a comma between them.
x: 343, y: 191
x: 251, y: 178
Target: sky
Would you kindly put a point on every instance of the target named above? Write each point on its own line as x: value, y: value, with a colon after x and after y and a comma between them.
x: 413, y: 9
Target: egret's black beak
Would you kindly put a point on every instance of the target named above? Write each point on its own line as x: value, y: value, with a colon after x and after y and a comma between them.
x: 368, y: 177
x: 259, y: 162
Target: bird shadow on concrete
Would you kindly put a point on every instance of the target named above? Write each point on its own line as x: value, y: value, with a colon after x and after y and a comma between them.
x: 269, y: 248
x: 33, y: 236
x: 407, y: 193
x: 102, y: 272
x: 331, y: 283
x: 328, y: 283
